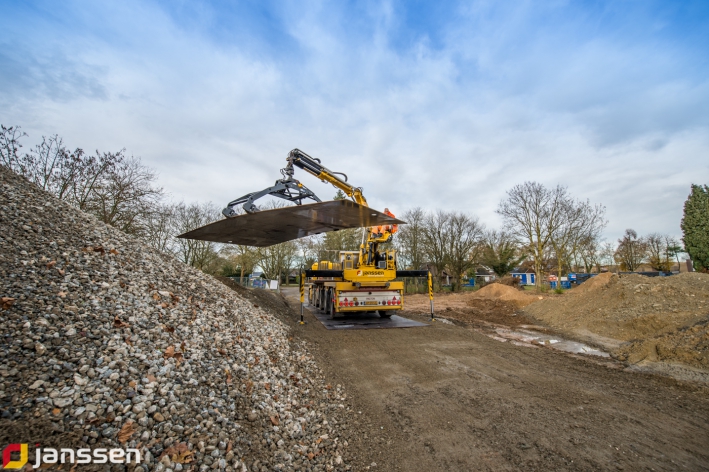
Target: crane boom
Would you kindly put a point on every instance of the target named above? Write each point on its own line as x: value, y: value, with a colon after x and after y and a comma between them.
x: 313, y: 166
x: 291, y: 189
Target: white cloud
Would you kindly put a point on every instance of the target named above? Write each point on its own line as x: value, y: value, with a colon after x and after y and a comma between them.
x: 448, y: 127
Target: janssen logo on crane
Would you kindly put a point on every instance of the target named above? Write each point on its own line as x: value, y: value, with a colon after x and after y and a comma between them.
x: 15, y: 456
x: 370, y: 272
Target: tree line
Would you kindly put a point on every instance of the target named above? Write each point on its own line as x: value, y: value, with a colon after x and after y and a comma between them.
x: 545, y: 229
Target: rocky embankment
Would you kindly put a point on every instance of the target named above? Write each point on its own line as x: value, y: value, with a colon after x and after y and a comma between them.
x: 108, y: 343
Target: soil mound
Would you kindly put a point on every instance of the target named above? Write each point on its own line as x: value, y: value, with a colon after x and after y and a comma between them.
x: 504, y: 292
x: 112, y: 344
x: 636, y: 309
x: 689, y: 345
x: 598, y: 282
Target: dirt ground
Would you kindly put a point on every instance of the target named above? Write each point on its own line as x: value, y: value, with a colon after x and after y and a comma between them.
x: 486, y: 306
x: 644, y: 320
x: 447, y: 398
x: 629, y: 307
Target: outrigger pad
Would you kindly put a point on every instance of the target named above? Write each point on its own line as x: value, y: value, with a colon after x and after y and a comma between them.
x: 268, y: 227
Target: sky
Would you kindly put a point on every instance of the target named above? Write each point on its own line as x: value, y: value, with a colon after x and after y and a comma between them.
x: 438, y: 105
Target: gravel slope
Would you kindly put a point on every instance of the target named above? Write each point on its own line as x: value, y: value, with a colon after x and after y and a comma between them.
x: 109, y: 343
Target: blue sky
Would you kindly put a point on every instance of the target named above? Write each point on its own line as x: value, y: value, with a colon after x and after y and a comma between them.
x: 430, y: 104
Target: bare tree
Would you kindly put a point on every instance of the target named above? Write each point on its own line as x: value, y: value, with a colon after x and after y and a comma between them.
x: 588, y: 250
x: 435, y: 239
x: 631, y: 251
x: 277, y: 259
x: 199, y: 254
x: 50, y: 165
x: 533, y: 214
x: 10, y: 147
x: 661, y: 250
x: 464, y: 236
x: 235, y: 259
x: 71, y: 176
x: 409, y: 239
x: 159, y: 227
x: 409, y: 244
x: 119, y: 191
x: 309, y: 250
x: 606, y: 255
x: 243, y: 257
x: 125, y: 195
x: 580, y: 222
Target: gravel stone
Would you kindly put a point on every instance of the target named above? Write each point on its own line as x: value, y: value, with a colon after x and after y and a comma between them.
x: 105, y: 331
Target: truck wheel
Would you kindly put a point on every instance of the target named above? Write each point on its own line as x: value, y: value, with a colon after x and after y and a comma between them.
x: 321, y: 299
x: 384, y: 314
x: 330, y: 305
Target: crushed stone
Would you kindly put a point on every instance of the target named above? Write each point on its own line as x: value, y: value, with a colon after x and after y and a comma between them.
x: 109, y: 343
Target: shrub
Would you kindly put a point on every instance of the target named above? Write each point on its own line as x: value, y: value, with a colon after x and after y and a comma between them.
x: 695, y: 227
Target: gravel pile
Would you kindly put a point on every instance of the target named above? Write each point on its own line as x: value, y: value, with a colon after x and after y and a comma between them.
x: 112, y: 343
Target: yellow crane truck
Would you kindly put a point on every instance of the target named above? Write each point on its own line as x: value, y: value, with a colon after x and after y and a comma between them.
x: 358, y: 281
x: 351, y: 285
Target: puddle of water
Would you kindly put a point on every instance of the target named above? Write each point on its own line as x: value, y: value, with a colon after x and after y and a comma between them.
x: 555, y: 342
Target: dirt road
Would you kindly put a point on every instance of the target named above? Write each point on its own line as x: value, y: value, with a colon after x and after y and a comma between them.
x: 446, y: 398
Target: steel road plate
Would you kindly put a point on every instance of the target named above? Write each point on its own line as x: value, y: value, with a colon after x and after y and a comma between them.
x: 364, y: 321
x: 268, y: 227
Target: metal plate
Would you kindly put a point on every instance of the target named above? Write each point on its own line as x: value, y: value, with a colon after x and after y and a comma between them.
x: 269, y: 227
x: 364, y: 321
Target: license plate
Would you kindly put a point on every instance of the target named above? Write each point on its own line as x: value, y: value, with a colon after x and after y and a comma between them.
x: 371, y: 303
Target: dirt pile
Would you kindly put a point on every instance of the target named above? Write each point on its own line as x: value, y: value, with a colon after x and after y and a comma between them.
x: 688, y: 345
x: 509, y: 280
x: 504, y: 293
x: 594, y: 283
x: 498, y: 305
x: 669, y: 313
x: 108, y: 343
